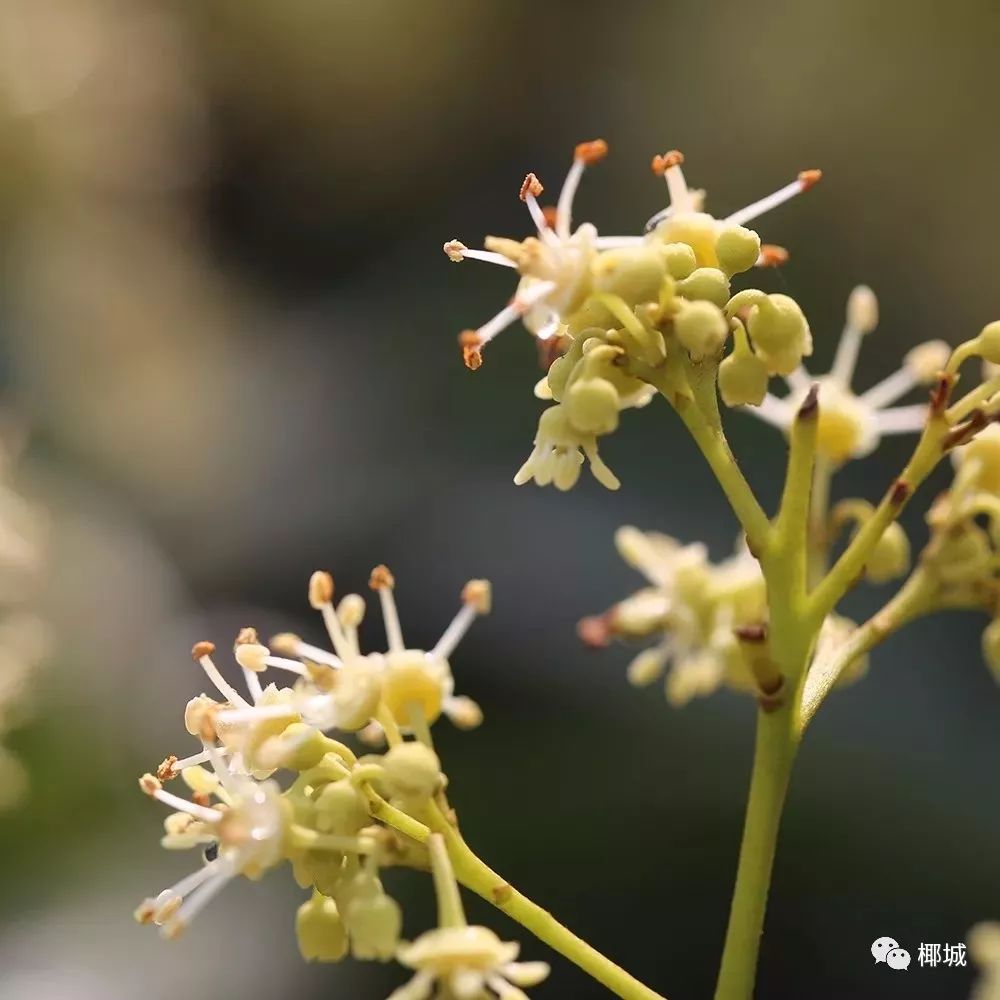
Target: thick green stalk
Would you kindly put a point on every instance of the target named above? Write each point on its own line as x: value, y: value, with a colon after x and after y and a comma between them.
x: 774, y: 755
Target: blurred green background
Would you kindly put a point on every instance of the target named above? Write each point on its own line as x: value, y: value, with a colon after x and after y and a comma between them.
x: 226, y: 317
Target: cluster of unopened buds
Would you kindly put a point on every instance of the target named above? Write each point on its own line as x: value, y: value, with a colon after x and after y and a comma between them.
x: 328, y: 821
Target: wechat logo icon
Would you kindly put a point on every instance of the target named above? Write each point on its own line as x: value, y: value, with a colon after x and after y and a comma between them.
x: 886, y: 949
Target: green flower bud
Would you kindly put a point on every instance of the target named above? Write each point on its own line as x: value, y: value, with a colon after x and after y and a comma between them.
x: 325, y: 870
x: 701, y: 328
x: 737, y: 249
x: 890, y: 558
x: 634, y: 273
x: 375, y: 922
x: 743, y: 379
x: 341, y: 809
x: 963, y: 558
x: 679, y: 259
x: 592, y: 405
x: 320, y: 930
x: 988, y: 342
x: 777, y: 327
x: 562, y: 368
x: 706, y: 284
x: 991, y: 647
x: 301, y: 747
x: 413, y: 771
x: 357, y: 695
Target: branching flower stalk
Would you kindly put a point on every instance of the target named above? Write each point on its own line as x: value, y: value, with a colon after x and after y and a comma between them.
x: 619, y: 321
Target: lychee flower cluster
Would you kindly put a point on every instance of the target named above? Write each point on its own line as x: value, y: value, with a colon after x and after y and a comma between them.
x: 850, y: 425
x: 710, y: 621
x: 622, y: 308
x: 324, y: 821
x: 694, y: 608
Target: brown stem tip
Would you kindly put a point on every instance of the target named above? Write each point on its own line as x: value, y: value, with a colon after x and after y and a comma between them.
x: 810, y: 405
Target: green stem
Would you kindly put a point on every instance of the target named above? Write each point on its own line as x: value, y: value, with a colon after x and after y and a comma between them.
x: 476, y: 875
x: 774, y: 755
x: 481, y: 879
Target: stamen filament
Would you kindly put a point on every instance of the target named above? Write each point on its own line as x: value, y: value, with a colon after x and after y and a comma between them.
x: 803, y: 182
x: 513, y: 311
x: 891, y: 388
x: 224, y: 687
x: 198, y: 758
x: 198, y: 900
x: 203, y: 813
x: 564, y: 207
x: 283, y: 663
x: 454, y: 633
x: 846, y: 358
x: 902, y: 419
x: 336, y: 632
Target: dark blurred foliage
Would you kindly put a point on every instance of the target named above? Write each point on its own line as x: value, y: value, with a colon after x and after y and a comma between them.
x: 227, y: 317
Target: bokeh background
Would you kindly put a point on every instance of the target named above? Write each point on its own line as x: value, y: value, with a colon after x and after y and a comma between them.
x: 226, y: 319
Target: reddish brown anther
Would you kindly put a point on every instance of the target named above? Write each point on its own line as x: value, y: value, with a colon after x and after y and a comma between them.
x: 661, y: 164
x: 771, y: 255
x: 594, y: 631
x: 591, y: 152
x: 200, y: 649
x: 810, y: 178
x: 530, y: 185
x: 166, y: 772
x: 472, y: 353
x: 381, y: 577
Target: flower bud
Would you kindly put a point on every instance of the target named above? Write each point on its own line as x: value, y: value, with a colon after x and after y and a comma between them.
x: 706, y: 284
x: 701, y: 328
x: 991, y: 647
x: 375, y: 922
x: 779, y: 332
x: 412, y: 770
x: 963, y: 558
x: 742, y: 376
x: 634, y: 273
x: 320, y: 930
x: 341, y: 809
x: 737, y: 249
x: 298, y: 748
x: 592, y: 405
x: 679, y: 259
x: 562, y: 368
x: 357, y: 694
x: 862, y: 309
x: 647, y: 667
x: 984, y: 452
x: 988, y: 342
x: 890, y: 558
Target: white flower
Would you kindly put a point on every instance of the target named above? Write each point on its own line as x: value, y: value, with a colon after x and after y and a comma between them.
x: 346, y: 689
x: 558, y: 454
x: 684, y: 221
x: 463, y: 962
x: 245, y: 832
x: 693, y: 604
x: 850, y: 425
x: 556, y: 264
